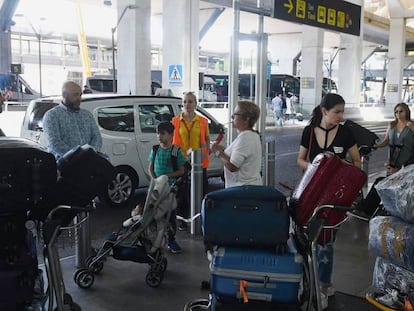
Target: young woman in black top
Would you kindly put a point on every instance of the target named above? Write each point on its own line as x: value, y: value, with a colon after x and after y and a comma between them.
x: 325, y: 133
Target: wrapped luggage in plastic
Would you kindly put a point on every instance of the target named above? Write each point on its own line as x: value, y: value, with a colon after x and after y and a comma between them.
x: 18, y: 262
x: 397, y: 193
x: 391, y: 238
x: 388, y: 275
x: 84, y: 174
x: 27, y: 175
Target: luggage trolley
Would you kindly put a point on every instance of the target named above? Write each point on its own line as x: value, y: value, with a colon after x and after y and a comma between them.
x: 328, y: 180
x: 58, y: 220
x: 306, y: 239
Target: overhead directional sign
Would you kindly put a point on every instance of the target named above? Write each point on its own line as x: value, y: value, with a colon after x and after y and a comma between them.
x: 335, y: 15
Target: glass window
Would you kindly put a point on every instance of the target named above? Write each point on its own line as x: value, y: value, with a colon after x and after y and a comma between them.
x: 119, y: 119
x: 151, y: 115
x: 101, y: 85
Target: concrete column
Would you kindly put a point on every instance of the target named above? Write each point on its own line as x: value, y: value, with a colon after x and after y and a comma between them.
x: 134, y: 48
x: 311, y: 69
x: 396, y: 54
x: 5, y: 51
x: 180, y: 46
x: 349, y: 74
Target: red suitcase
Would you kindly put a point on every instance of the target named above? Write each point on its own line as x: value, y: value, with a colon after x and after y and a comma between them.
x: 329, y: 180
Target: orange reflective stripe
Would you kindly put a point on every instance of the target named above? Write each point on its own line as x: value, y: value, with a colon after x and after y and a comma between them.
x: 177, y: 140
x: 242, y: 290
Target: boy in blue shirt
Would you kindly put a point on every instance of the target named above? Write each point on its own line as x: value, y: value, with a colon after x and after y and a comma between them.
x: 167, y: 159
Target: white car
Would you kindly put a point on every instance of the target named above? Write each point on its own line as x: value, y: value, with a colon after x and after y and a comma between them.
x: 128, y: 127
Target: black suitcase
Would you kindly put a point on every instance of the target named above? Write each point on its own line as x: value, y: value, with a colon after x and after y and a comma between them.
x: 18, y: 263
x: 85, y: 174
x: 362, y: 135
x: 27, y: 175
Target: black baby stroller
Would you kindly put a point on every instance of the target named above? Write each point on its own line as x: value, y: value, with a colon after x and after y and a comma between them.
x: 142, y: 240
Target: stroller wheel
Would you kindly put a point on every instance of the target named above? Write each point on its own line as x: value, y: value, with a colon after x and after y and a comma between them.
x: 154, y: 278
x: 75, y: 276
x: 96, y: 267
x: 197, y: 305
x: 84, y: 278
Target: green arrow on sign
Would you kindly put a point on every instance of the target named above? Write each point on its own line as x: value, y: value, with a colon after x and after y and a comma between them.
x: 289, y: 5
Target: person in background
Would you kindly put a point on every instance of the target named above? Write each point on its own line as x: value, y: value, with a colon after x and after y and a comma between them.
x: 325, y: 133
x: 277, y: 104
x: 242, y: 159
x: 191, y: 132
x: 399, y: 138
x: 161, y: 164
x: 67, y: 125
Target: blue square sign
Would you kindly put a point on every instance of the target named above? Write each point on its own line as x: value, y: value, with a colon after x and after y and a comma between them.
x: 175, y: 75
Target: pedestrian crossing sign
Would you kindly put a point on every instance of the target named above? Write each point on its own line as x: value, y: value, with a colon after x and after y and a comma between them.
x: 175, y: 75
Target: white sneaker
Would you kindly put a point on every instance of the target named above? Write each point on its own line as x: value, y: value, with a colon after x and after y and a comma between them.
x: 324, y: 301
x: 328, y: 291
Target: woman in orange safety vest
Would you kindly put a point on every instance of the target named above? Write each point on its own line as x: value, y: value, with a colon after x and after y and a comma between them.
x: 191, y: 132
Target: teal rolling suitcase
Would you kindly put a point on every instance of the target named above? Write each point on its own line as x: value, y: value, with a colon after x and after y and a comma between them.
x: 246, y: 216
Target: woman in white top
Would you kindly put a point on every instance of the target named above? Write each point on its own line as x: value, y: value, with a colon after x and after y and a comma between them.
x: 243, y: 158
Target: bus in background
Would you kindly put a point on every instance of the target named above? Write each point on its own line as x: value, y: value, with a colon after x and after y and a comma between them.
x: 278, y: 83
x: 283, y: 83
x: 104, y: 84
x: 329, y: 86
x: 222, y: 86
x: 15, y: 88
x: 207, y: 89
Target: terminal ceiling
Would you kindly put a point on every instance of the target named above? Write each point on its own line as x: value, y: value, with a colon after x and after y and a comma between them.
x: 375, y: 29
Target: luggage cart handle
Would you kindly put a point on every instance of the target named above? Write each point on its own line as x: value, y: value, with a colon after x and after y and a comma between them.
x: 70, y: 209
x: 316, y: 213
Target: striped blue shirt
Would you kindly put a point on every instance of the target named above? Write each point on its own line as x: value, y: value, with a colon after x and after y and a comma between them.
x: 66, y: 129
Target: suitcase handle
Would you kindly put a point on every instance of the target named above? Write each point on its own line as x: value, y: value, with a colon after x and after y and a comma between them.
x: 246, y: 207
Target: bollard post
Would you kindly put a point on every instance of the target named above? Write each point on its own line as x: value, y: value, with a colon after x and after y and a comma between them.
x: 82, y: 238
x: 271, y: 163
x: 196, y: 192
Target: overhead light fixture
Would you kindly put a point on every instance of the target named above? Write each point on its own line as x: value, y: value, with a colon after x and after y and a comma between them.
x: 108, y: 2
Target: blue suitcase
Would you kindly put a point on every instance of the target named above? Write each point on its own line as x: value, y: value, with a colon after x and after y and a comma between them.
x: 256, y: 274
x: 252, y: 216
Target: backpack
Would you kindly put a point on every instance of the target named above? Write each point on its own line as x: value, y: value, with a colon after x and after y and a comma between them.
x: 174, y: 155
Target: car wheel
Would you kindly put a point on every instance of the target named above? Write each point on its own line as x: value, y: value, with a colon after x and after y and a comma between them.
x: 121, y: 190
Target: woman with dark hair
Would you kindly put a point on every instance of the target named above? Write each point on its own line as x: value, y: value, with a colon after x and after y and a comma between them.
x: 400, y: 139
x: 325, y: 133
